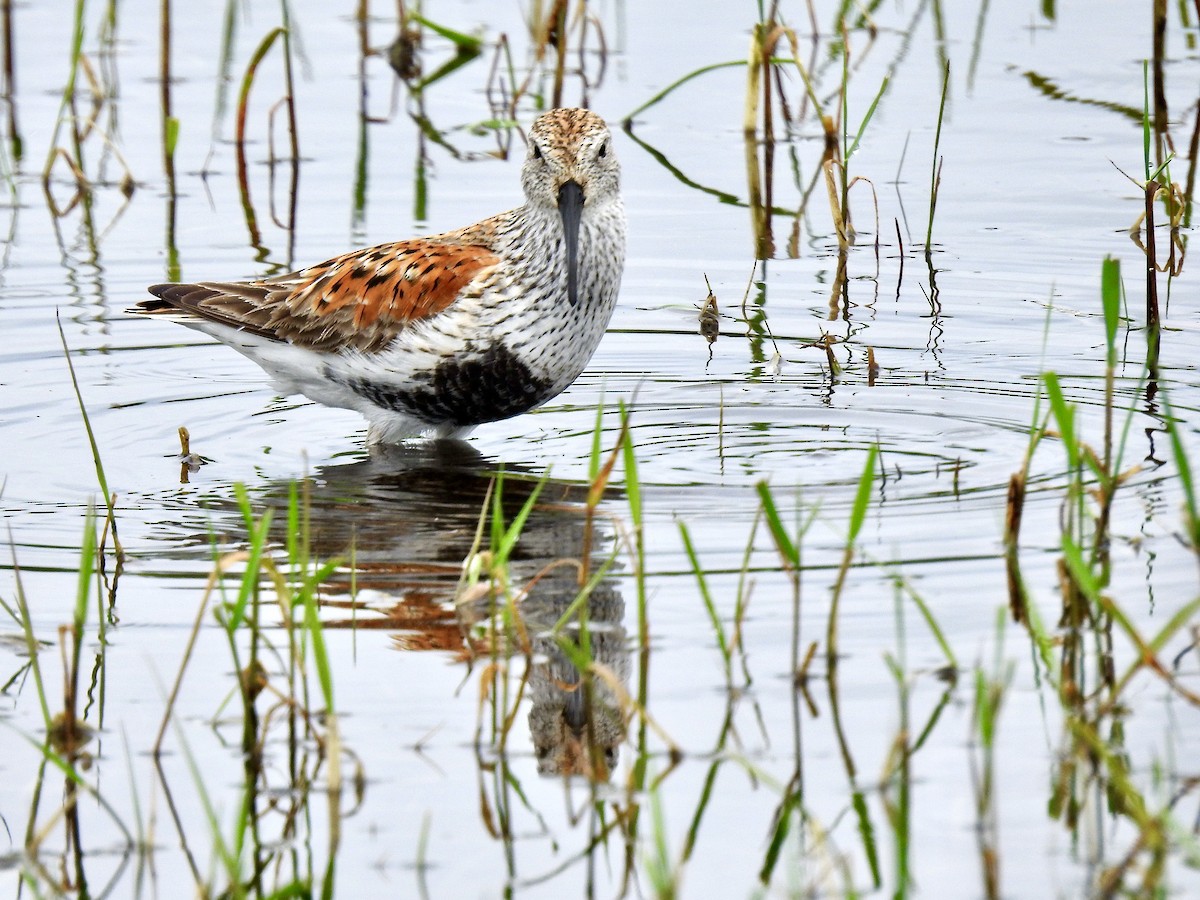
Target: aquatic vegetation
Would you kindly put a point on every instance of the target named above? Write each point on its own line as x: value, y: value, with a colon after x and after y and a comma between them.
x: 884, y: 583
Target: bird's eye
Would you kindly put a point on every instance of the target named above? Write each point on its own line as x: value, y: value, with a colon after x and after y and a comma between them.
x: 537, y: 152
x: 603, y: 152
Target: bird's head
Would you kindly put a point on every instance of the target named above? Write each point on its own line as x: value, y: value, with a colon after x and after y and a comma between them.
x: 570, y: 167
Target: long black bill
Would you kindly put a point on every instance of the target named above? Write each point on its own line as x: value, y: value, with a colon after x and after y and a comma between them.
x: 570, y: 207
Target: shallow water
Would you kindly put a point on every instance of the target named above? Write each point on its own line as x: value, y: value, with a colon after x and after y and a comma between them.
x: 1040, y: 114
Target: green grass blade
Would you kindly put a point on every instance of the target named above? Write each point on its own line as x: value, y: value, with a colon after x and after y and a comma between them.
x: 513, y: 533
x: 258, y: 544
x: 937, y: 142
x: 695, y: 73
x: 1184, y: 466
x: 1064, y: 415
x: 172, y: 135
x: 1080, y: 571
x: 597, y: 431
x: 867, y: 118
x: 783, y: 819
x: 87, y: 425
x: 25, y: 619
x: 705, y: 594
x: 862, y: 497
x: 934, y: 628
x: 463, y: 43
x: 87, y: 562
x: 1110, y: 297
x: 783, y: 543
x: 312, y: 621
x: 633, y: 488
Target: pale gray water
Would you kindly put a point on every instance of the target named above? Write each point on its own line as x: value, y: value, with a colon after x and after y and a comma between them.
x: 1030, y: 204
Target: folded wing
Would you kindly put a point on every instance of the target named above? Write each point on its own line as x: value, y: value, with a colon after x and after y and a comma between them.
x: 360, y: 300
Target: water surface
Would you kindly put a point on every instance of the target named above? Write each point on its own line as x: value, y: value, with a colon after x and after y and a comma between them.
x: 1042, y: 115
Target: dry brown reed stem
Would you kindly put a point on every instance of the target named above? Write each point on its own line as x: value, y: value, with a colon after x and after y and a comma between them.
x: 489, y: 681
x: 768, y: 145
x: 214, y: 576
x: 828, y: 126
x: 272, y: 160
x: 558, y: 36
x: 1190, y: 181
x: 710, y: 317
x: 549, y: 29
x: 1160, y: 91
x: 81, y: 184
x: 240, y: 140
x: 169, y: 135
x: 764, y: 40
x: 164, y: 85
x: 1013, y: 511
x: 68, y: 644
x: 601, y: 51
x: 289, y: 100
x: 841, y: 215
x: 757, y: 193
x: 773, y: 32
x: 595, y: 494
x: 9, y: 90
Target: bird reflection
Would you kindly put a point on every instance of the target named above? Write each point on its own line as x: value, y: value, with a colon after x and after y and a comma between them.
x: 405, y: 517
x: 577, y: 724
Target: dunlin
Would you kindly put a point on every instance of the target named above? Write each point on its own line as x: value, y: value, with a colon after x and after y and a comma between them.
x: 435, y: 335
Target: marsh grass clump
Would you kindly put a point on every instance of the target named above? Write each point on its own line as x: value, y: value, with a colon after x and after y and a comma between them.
x: 284, y: 691
x: 253, y: 788
x: 555, y: 639
x: 287, y: 713
x: 990, y: 689
x: 1082, y: 659
x: 81, y: 159
x: 67, y: 744
x: 563, y: 621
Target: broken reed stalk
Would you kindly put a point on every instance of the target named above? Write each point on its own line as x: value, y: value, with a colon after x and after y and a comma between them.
x: 10, y: 79
x: 758, y: 92
x: 1018, y: 602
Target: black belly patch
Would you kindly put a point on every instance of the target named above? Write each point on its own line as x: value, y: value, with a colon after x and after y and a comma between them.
x: 485, y: 388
